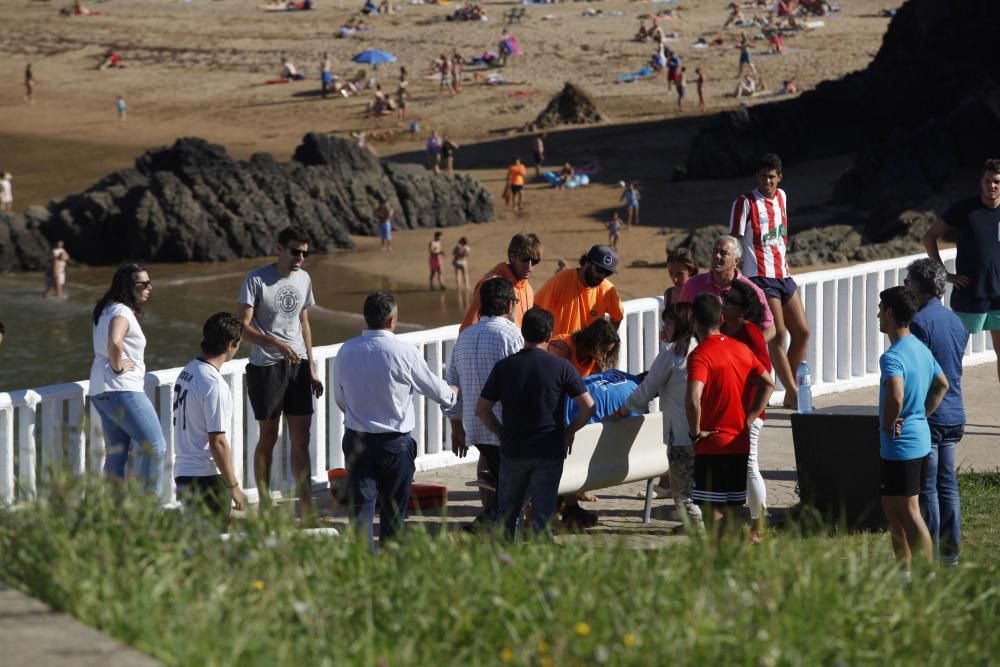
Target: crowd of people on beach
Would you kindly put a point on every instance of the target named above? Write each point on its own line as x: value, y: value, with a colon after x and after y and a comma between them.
x: 529, y: 369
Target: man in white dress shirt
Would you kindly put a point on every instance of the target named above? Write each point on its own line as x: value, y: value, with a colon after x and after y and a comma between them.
x: 478, y: 349
x: 375, y: 377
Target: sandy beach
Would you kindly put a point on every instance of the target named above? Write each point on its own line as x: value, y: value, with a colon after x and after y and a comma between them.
x: 200, y: 68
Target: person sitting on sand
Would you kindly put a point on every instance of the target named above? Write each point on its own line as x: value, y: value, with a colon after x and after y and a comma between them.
x: 747, y: 87
x: 289, y: 73
x: 77, y: 10
x: 565, y: 174
x: 111, y: 59
x: 370, y: 8
x: 735, y: 16
x: 777, y: 44
x: 643, y: 33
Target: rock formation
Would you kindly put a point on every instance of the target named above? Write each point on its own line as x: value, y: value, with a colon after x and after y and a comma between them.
x: 193, y: 202
x: 831, y: 244
x: 925, y: 110
x: 572, y: 106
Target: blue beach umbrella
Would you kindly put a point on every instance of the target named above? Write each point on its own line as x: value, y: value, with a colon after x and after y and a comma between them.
x: 374, y: 57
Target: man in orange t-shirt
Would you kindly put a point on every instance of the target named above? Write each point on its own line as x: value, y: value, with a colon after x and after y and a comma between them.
x: 515, y: 182
x: 577, y: 298
x: 523, y: 252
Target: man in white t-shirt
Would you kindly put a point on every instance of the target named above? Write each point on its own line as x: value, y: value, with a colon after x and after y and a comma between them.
x: 203, y: 413
x: 281, y: 377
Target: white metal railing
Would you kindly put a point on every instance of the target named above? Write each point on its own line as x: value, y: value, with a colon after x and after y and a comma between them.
x: 56, y: 427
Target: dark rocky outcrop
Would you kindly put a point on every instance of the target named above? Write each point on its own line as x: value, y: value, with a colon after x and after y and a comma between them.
x: 193, y: 202
x: 572, y: 106
x: 831, y: 244
x: 925, y: 110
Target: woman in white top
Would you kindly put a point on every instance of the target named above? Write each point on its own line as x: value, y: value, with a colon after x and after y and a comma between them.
x: 667, y: 378
x: 117, y: 379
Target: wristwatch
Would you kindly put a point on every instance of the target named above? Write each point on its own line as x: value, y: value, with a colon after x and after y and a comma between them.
x: 694, y: 436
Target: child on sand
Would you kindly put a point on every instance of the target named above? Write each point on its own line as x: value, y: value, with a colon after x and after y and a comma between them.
x: 384, y: 215
x: 614, y: 228
x: 436, y: 260
x: 631, y: 198
x: 700, y: 81
x: 680, y: 267
x: 120, y: 105
x: 29, y: 84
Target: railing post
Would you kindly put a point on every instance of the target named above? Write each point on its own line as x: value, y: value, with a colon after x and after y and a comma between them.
x: 435, y: 416
x: 253, y: 433
x: 336, y: 421
x: 97, y: 448
x: 76, y: 440
x: 51, y: 459
x: 317, y: 428
x: 27, y: 455
x: 844, y: 326
x: 829, y: 323
x: 7, y: 488
x: 234, y: 379
x: 167, y: 492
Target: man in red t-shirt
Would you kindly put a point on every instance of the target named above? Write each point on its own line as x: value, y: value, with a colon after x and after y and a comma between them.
x: 719, y: 419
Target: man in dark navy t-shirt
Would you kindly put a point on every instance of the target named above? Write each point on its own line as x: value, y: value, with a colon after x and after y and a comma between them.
x: 976, y: 223
x: 531, y: 387
x: 942, y: 332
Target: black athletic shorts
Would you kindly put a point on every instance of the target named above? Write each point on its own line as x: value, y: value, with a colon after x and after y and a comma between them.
x: 280, y: 387
x: 720, y: 479
x: 210, y: 492
x: 516, y: 188
x: 902, y: 478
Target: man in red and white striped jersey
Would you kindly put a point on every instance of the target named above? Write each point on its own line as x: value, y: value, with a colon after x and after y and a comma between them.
x: 760, y: 219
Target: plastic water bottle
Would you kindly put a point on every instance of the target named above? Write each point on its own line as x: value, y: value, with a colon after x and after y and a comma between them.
x: 803, y: 378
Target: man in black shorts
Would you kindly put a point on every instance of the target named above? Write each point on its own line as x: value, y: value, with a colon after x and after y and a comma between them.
x: 281, y: 377
x: 721, y: 372
x: 976, y: 223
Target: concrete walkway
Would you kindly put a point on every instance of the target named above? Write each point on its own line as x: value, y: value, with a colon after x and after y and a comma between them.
x: 32, y: 634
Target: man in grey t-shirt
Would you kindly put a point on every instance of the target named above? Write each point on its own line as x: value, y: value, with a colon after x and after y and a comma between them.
x: 281, y: 376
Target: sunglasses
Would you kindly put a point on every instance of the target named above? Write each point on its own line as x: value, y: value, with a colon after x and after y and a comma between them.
x: 534, y: 261
x: 602, y: 271
x: 295, y: 252
x: 143, y: 284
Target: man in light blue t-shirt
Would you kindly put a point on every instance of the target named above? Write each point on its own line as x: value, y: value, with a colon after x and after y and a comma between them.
x: 911, y: 388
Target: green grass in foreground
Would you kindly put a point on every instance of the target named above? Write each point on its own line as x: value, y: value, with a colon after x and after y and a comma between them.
x: 189, y: 599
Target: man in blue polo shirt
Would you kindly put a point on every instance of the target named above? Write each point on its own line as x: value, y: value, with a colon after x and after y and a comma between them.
x: 911, y: 388
x: 942, y: 332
